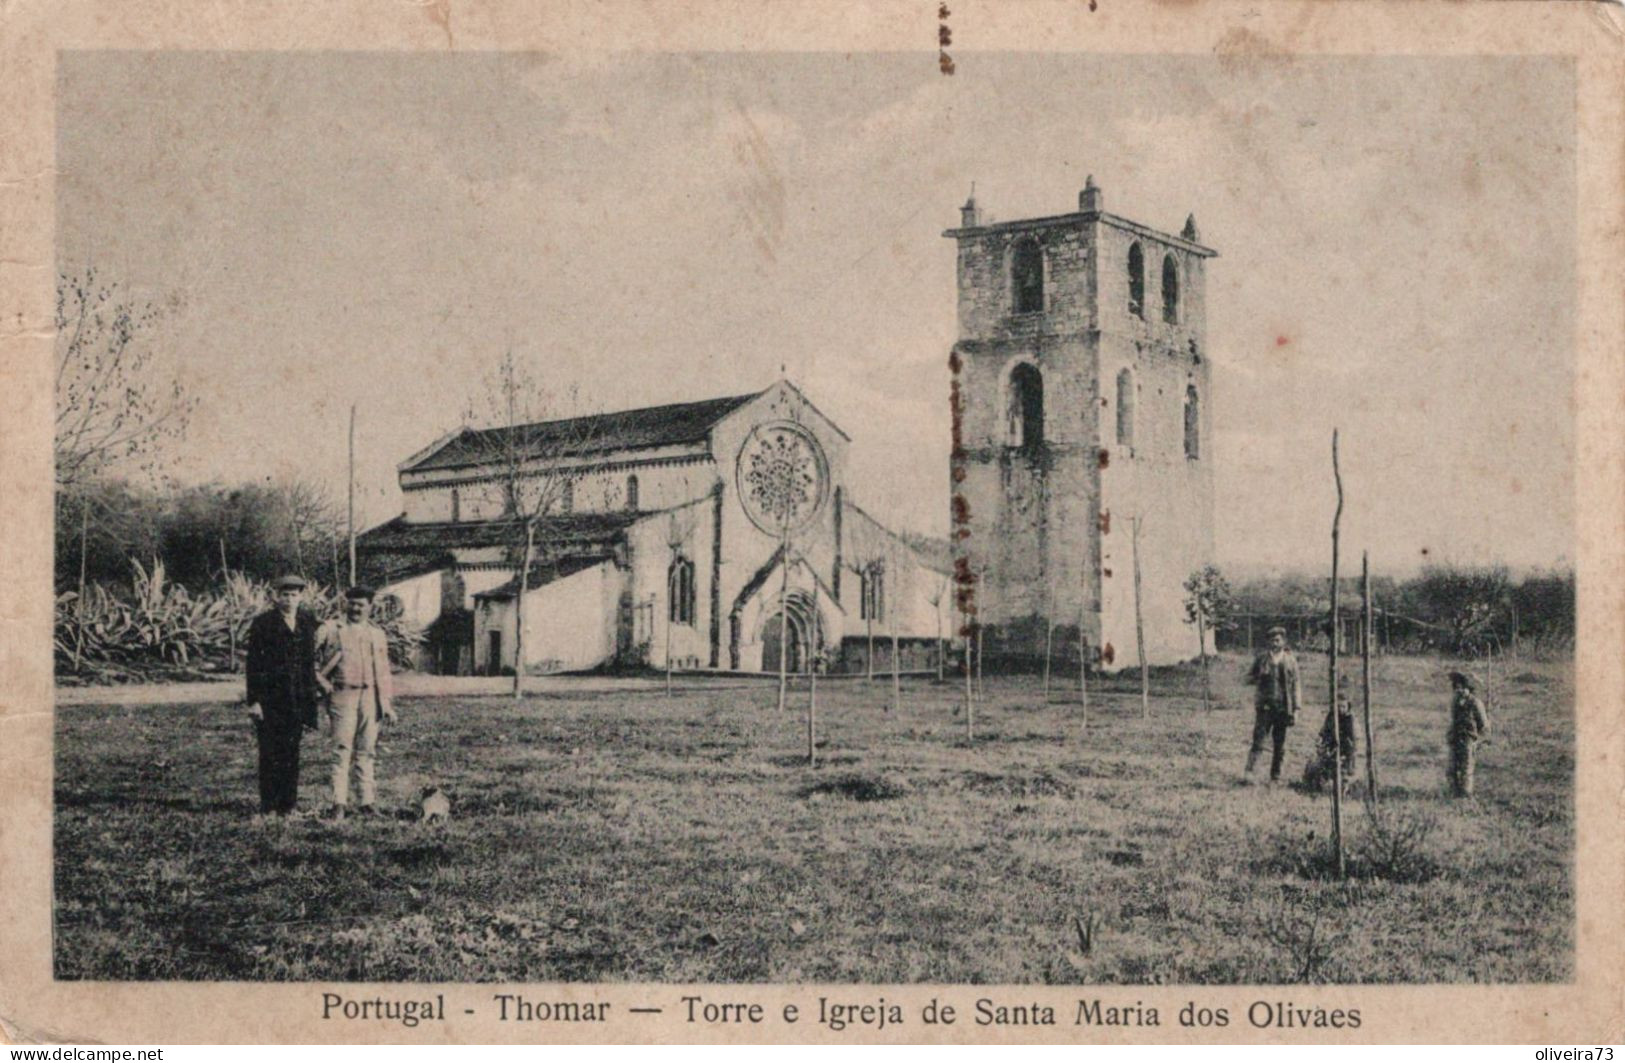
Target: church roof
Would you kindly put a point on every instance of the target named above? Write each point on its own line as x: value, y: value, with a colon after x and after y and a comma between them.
x: 564, y: 531
x: 542, y: 575
x: 651, y: 426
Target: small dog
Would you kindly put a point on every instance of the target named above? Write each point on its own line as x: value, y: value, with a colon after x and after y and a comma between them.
x: 434, y: 805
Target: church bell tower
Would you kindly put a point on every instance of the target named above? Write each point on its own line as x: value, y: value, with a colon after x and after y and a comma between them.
x: 1079, y: 391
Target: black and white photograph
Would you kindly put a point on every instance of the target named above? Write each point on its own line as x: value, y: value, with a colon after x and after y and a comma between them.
x: 1074, y: 521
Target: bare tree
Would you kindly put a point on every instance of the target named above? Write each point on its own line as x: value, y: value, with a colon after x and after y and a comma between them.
x: 524, y: 457
x: 314, y: 526
x: 937, y: 592
x: 1209, y: 604
x: 111, y: 406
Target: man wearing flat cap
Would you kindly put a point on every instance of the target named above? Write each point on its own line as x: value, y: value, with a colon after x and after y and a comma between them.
x: 1274, y: 677
x: 1469, y: 725
x: 354, y: 657
x: 281, y: 695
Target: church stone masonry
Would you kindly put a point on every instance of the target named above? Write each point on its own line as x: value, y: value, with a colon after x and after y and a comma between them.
x: 1081, y: 394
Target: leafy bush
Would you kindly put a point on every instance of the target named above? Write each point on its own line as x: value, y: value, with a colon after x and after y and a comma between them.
x: 159, y: 627
x: 1395, y: 846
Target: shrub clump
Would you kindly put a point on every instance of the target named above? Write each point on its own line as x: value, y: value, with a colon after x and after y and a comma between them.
x: 857, y: 786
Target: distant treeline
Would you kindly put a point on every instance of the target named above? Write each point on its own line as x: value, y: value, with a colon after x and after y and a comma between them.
x: 1450, y: 608
x: 261, y: 530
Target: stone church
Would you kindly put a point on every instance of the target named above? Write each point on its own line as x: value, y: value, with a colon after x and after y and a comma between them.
x: 647, y: 551
x: 1081, y: 462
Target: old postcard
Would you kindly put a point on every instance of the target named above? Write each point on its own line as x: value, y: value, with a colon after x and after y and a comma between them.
x: 1036, y: 522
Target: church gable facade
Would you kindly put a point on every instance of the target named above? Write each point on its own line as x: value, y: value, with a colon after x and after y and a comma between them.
x: 1082, y: 426
x: 646, y: 554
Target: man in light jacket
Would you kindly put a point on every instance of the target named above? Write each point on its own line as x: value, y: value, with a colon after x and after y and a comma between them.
x: 355, y: 669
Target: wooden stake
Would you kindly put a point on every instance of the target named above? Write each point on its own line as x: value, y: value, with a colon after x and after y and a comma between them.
x: 937, y: 610
x: 1201, y: 648
x: 784, y: 618
x: 1365, y: 675
x: 350, y: 518
x: 970, y: 689
x: 1049, y: 642
x: 1336, y: 626
x: 671, y: 605
x: 896, y: 663
x: 812, y: 682
x: 1139, y: 625
x: 1083, y: 668
x: 981, y: 690
x: 231, y: 621
x: 84, y: 580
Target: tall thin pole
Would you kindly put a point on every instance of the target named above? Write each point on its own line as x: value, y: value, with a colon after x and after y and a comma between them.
x: 938, y: 611
x: 350, y: 517
x: 813, y: 642
x: 896, y: 662
x: 1365, y: 673
x: 231, y: 619
x: 970, y: 687
x: 1336, y: 626
x: 1201, y: 649
x: 784, y: 617
x: 981, y: 691
x: 671, y: 605
x: 1049, y: 643
x: 84, y: 574
x: 1139, y: 626
x: 1083, y: 665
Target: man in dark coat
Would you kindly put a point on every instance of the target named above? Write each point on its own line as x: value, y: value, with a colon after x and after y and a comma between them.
x: 1274, y: 676
x: 282, y: 692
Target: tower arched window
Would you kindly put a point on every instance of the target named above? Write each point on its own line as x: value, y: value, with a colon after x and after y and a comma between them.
x: 1193, y: 424
x: 1024, y: 413
x: 567, y: 497
x: 1027, y: 276
x: 632, y: 492
x: 1125, y: 408
x: 680, y: 591
x: 1136, y: 281
x: 456, y: 506
x: 1170, y: 289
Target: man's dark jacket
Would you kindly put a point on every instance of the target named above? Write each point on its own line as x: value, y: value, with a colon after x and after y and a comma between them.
x: 282, y: 669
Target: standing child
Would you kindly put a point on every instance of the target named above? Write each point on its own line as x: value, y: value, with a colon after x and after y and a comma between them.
x: 1323, y: 768
x: 1469, y: 725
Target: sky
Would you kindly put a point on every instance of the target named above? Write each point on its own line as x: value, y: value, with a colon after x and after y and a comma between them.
x: 1396, y: 239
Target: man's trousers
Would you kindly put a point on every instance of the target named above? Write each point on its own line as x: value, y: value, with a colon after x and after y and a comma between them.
x: 279, y: 764
x: 353, y: 715
x: 1461, y: 765
x: 1269, y: 725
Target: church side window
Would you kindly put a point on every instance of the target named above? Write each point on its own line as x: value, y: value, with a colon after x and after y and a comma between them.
x: 1136, y: 281
x: 872, y: 601
x: 567, y: 497
x: 1027, y: 277
x: 1170, y: 289
x: 1125, y: 408
x: 1193, y: 424
x: 680, y: 591
x: 456, y: 506
x: 632, y: 492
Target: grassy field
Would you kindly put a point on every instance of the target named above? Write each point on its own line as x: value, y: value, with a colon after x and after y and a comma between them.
x: 627, y: 837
